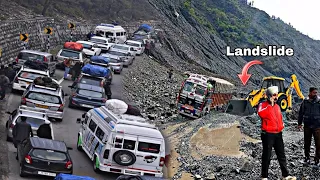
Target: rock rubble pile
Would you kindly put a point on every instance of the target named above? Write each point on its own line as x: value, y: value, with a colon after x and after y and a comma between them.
x: 148, y: 86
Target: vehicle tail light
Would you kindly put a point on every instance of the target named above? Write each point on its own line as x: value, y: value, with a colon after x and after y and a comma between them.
x: 16, y: 80
x: 17, y: 60
x: 45, y: 59
x: 61, y: 108
x: 23, y: 101
x: 74, y: 94
x: 69, y: 165
x: 104, y: 100
x: 162, y: 159
x: 11, y: 126
x: 101, y: 83
x: 28, y: 159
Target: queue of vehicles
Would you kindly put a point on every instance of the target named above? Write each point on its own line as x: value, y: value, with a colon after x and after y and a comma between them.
x: 115, y: 141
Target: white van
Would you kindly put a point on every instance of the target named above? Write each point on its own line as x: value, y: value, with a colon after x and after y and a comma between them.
x: 111, y: 31
x: 121, y: 143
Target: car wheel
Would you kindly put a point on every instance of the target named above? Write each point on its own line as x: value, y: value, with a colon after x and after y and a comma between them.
x: 21, y: 173
x: 124, y: 158
x: 95, y: 168
x: 70, y: 105
x: 78, y: 144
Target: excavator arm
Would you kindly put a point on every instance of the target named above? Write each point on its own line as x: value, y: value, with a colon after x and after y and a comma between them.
x: 294, y: 84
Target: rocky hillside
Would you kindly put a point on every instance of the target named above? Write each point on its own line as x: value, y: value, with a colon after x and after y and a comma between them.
x: 95, y: 11
x: 204, y: 28
x: 198, y: 32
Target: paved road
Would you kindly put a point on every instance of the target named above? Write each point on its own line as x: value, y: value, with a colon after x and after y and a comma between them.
x: 66, y: 131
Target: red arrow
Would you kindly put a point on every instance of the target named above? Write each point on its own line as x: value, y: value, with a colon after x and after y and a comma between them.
x: 244, y: 77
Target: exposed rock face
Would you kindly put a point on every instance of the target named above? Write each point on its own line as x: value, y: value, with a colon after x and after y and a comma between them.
x: 195, y: 35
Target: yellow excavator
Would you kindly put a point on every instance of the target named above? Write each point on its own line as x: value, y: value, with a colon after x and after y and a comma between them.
x: 246, y: 106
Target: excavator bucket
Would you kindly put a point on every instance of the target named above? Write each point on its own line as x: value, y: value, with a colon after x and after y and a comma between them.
x: 239, y: 107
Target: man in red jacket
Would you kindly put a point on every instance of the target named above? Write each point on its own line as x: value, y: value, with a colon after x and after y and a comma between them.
x: 271, y: 133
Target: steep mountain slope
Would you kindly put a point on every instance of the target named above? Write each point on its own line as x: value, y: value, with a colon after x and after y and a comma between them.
x: 201, y: 32
x: 204, y: 28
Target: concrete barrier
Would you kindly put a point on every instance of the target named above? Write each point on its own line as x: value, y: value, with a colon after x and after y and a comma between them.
x: 11, y: 45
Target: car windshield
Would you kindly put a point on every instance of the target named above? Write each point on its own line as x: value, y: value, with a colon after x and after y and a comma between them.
x: 149, y: 147
x: 94, y: 94
x: 70, y: 54
x: 188, y: 86
x: 87, y: 46
x: 34, y: 122
x: 121, y: 47
x: 49, y: 155
x: 29, y: 75
x: 91, y: 81
x: 133, y: 44
x: 100, y: 41
x: 30, y: 56
x: 48, y: 98
x: 117, y: 53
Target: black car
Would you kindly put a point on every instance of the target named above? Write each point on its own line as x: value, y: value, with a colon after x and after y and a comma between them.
x: 129, y: 177
x: 39, y: 156
x: 87, y: 96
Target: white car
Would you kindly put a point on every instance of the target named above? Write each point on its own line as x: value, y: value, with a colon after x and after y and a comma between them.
x: 90, y: 48
x: 26, y: 76
x: 103, y: 43
x: 137, y: 45
x: 124, y: 48
x: 34, y: 117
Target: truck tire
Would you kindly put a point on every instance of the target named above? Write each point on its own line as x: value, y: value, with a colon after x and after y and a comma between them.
x: 124, y: 158
x: 283, y: 102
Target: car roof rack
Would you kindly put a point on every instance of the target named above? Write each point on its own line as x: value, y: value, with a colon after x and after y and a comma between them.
x: 45, y: 87
x: 92, y: 76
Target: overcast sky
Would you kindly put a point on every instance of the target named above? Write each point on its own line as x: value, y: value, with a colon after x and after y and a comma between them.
x: 303, y: 15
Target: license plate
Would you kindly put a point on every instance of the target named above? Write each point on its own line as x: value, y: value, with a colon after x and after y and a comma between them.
x: 47, y: 173
x: 187, y: 111
x: 42, y: 106
x: 87, y: 106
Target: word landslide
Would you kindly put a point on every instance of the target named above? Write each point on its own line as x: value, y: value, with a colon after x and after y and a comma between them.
x: 257, y: 51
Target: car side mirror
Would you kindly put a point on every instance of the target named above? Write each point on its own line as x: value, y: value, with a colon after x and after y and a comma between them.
x: 9, y: 112
x: 78, y: 120
x: 69, y: 148
x: 70, y: 86
x: 83, y: 115
x: 66, y: 94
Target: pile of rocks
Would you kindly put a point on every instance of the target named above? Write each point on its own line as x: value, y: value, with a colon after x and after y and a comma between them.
x: 247, y: 167
x: 148, y: 86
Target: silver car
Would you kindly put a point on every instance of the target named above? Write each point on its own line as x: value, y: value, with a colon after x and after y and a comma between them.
x: 52, y: 100
x: 126, y: 58
x: 34, y: 117
x: 116, y: 64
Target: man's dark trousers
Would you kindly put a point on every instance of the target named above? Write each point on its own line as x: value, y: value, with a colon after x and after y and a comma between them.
x: 274, y: 140
x: 308, y: 133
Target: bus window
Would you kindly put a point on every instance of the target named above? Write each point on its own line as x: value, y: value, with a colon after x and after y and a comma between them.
x: 117, y: 34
